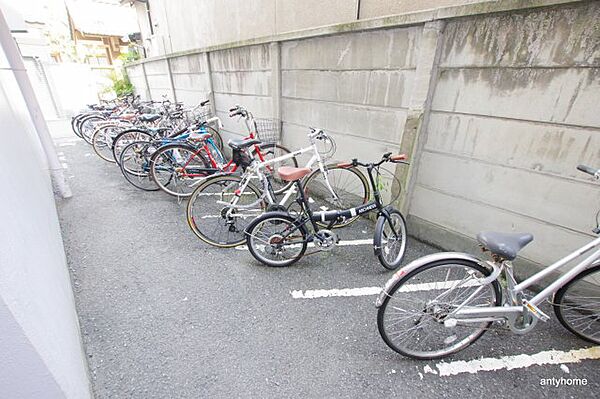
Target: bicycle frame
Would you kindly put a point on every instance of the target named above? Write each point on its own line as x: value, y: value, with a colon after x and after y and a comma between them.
x: 255, y: 171
x: 334, y: 216
x: 520, y: 306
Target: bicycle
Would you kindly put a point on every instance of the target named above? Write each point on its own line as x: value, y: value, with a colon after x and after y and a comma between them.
x: 181, y: 163
x: 281, y: 239
x: 442, y: 303
x: 190, y: 116
x: 136, y: 158
x: 220, y: 208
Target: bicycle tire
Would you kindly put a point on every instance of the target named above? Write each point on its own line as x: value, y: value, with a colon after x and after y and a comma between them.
x: 173, y: 177
x: 137, y: 177
x: 411, y: 297
x: 559, y: 306
x: 131, y: 135
x: 74, y: 124
x: 98, y: 141
x: 275, y: 219
x: 86, y: 134
x: 194, y: 214
x: 380, y: 242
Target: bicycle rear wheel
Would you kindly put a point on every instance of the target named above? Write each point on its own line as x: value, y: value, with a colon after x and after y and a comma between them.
x: 219, y: 224
x: 411, y: 318
x: 577, y: 305
x: 349, y: 184
x: 276, y: 240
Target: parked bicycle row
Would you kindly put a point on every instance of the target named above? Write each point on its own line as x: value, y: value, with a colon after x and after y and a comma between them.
x: 255, y: 191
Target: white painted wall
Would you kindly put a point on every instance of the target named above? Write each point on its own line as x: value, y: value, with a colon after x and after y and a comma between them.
x: 40, y: 345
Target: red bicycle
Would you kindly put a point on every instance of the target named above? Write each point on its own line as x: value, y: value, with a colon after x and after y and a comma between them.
x: 177, y: 168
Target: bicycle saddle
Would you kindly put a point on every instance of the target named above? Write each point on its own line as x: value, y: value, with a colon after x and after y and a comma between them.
x: 505, y: 245
x: 289, y: 173
x: 149, y: 117
x: 239, y: 144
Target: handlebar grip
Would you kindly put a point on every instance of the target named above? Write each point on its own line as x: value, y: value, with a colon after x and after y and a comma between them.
x: 203, y: 103
x: 587, y: 169
x: 398, y: 157
x: 233, y: 109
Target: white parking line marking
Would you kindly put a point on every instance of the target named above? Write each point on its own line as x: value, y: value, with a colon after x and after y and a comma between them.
x: 312, y: 294
x: 367, y: 241
x: 515, y: 362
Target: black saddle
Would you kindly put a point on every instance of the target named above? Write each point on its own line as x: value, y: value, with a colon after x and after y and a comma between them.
x: 241, y: 144
x: 505, y: 245
x: 149, y: 117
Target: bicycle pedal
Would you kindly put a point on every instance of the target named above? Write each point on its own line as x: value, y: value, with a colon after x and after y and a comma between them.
x: 537, y: 312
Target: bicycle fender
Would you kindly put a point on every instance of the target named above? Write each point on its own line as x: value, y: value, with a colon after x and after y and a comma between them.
x: 415, y: 264
x: 378, y: 227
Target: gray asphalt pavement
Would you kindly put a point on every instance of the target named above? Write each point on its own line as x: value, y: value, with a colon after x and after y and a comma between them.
x: 164, y: 315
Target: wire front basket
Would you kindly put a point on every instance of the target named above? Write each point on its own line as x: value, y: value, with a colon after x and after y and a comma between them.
x: 268, y: 130
x: 197, y: 115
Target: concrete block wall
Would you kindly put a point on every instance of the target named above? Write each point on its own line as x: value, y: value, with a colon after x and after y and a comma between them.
x: 495, y: 106
x: 138, y: 80
x: 191, y: 79
x: 242, y: 76
x: 356, y: 86
x: 159, y: 80
x: 514, y: 111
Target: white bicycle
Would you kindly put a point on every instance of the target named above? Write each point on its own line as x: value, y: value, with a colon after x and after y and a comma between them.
x: 441, y: 303
x: 221, y: 207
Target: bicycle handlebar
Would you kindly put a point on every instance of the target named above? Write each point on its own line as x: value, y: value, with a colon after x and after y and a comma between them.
x: 387, y: 157
x: 238, y: 110
x: 589, y: 170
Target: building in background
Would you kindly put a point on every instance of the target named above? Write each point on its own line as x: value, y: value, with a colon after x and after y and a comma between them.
x: 71, y: 48
x: 100, y: 29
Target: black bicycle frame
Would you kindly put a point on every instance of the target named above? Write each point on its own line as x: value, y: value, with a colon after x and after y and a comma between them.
x: 336, y: 216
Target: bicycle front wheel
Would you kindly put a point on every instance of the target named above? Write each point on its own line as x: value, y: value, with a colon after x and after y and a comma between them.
x: 125, y: 138
x: 577, y: 305
x: 176, y: 169
x: 337, y: 188
x: 390, y: 239
x: 102, y: 140
x: 214, y: 218
x: 411, y: 318
x: 135, y: 165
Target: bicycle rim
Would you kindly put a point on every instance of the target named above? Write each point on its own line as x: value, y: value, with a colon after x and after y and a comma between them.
x: 219, y: 224
x: 411, y: 319
x: 577, y: 305
x: 177, y: 168
x: 273, y: 241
